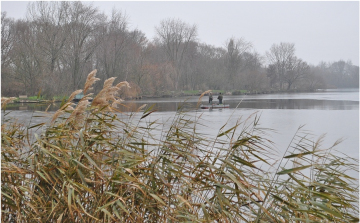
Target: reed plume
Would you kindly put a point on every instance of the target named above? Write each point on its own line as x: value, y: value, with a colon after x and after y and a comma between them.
x: 68, y: 106
x: 5, y: 101
x: 90, y: 80
x: 122, y: 84
x: 108, y: 94
x: 78, y: 114
x: 141, y: 107
x: 201, y: 96
x: 57, y: 114
x: 72, y: 96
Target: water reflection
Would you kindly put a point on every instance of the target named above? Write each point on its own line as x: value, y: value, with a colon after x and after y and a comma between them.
x: 33, y: 106
x: 320, y: 112
x: 327, y: 100
x: 131, y: 106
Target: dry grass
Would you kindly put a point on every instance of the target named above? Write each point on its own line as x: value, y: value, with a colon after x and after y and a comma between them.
x: 108, y: 94
x: 90, y: 80
x: 201, y: 96
x: 95, y: 167
x: 5, y: 101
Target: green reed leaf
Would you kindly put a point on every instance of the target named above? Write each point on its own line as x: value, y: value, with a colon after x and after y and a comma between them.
x: 293, y: 170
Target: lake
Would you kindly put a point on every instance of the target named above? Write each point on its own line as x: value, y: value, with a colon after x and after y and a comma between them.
x: 331, y: 112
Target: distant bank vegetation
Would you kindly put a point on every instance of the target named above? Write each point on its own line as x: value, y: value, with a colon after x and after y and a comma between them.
x: 89, y: 165
x: 60, y: 42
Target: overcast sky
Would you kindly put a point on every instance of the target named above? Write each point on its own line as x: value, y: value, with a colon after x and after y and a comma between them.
x: 321, y: 31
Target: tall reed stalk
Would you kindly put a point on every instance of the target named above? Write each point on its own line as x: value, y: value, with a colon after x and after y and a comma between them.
x: 91, y: 165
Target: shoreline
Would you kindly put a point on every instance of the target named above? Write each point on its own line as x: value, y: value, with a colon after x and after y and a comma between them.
x: 182, y: 94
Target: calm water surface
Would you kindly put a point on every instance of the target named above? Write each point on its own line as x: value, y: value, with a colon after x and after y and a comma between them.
x: 331, y: 112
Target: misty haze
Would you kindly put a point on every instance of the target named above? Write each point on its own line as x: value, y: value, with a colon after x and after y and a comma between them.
x: 174, y: 116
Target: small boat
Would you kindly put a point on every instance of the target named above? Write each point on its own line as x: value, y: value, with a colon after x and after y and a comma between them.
x: 79, y: 96
x: 212, y: 106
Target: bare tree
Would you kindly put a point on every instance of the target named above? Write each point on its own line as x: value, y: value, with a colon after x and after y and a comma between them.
x: 111, y: 55
x: 138, y: 58
x: 296, y: 69
x: 235, y: 51
x: 253, y: 76
x: 50, y: 24
x: 7, y: 44
x: 343, y: 74
x: 86, y: 26
x: 252, y: 61
x: 175, y: 36
x: 315, y: 79
x: 7, y: 39
x: 190, y: 78
x: 211, y: 66
x: 25, y: 57
x: 158, y: 71
x: 279, y: 58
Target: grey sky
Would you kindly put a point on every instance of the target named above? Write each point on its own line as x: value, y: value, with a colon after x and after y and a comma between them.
x: 321, y: 31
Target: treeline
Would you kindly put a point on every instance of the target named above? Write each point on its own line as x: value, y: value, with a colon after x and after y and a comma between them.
x: 59, y: 43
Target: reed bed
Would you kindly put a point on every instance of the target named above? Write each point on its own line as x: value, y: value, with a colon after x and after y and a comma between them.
x: 89, y: 165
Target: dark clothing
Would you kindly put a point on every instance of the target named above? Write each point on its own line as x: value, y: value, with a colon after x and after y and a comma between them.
x: 220, y: 97
x: 210, y: 98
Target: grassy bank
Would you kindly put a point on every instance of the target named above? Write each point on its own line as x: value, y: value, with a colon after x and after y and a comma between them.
x: 40, y: 99
x: 216, y: 92
x: 89, y: 165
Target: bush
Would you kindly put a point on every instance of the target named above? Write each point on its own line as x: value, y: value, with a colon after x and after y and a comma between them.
x: 89, y: 165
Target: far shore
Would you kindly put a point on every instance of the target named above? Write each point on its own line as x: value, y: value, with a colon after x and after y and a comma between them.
x: 181, y: 94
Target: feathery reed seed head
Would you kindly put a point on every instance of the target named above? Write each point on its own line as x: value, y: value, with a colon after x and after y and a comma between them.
x: 141, y: 107
x: 72, y: 96
x: 5, y: 101
x: 201, y: 96
x: 108, y: 94
x: 57, y: 114
x: 123, y: 83
x: 91, y: 79
x: 78, y: 113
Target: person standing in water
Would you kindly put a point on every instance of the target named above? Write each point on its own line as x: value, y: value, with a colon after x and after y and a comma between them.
x: 220, y: 97
x: 210, y: 98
